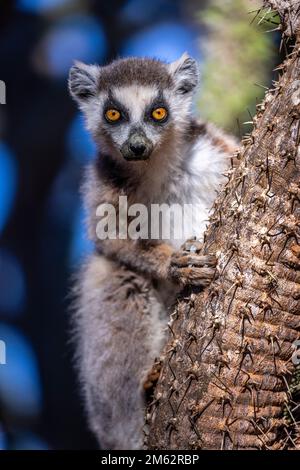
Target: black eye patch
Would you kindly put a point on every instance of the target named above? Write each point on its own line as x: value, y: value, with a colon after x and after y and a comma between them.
x: 156, y: 105
x: 113, y: 103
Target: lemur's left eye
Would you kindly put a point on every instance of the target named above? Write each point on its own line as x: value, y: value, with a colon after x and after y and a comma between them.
x: 112, y: 115
x: 159, y: 114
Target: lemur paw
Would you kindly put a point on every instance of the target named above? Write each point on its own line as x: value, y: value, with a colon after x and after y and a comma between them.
x: 188, y: 266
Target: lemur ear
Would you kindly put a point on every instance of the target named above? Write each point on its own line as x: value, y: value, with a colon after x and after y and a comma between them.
x: 185, y: 72
x: 83, y: 81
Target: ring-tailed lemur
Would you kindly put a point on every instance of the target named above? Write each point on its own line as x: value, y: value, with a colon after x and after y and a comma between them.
x: 153, y: 151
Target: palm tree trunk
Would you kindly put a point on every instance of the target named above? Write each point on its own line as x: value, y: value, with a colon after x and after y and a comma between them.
x: 228, y: 379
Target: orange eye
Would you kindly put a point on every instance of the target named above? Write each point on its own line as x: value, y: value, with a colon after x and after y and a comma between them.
x: 159, y: 114
x: 113, y: 115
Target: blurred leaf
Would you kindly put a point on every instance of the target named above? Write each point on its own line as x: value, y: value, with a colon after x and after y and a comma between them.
x: 239, y: 53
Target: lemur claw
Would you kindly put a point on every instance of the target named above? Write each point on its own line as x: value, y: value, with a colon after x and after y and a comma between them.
x: 193, y: 245
x: 188, y: 266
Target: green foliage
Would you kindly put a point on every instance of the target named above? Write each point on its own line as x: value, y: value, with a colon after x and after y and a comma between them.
x: 239, y: 54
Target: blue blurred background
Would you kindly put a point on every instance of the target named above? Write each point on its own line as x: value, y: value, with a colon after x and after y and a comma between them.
x: 43, y: 147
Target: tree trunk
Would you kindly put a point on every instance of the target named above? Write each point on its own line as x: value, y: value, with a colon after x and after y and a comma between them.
x: 228, y: 380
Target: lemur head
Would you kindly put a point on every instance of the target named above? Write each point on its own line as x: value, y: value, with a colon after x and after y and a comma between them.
x: 133, y: 106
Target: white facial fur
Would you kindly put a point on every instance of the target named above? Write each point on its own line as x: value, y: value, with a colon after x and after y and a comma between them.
x: 136, y: 98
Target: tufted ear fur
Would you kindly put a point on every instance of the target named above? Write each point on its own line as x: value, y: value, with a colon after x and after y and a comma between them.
x: 83, y: 81
x: 185, y: 73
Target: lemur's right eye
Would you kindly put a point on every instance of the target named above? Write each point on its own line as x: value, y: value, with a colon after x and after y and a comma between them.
x: 112, y: 115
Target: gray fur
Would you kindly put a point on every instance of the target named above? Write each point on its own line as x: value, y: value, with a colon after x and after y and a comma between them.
x: 117, y: 348
x: 127, y: 288
x: 185, y: 74
x: 83, y: 81
x: 122, y: 72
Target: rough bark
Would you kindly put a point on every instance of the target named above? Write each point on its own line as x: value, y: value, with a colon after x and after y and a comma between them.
x: 228, y: 380
x: 289, y: 12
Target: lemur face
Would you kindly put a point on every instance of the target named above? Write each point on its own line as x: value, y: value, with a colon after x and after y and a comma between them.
x: 132, y: 105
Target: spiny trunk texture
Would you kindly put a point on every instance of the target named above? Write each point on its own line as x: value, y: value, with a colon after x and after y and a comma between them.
x: 228, y: 380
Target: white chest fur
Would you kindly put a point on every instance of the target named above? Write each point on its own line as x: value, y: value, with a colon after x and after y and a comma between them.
x: 193, y: 186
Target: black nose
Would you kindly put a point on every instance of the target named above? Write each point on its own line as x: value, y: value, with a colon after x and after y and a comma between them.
x: 137, y: 149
